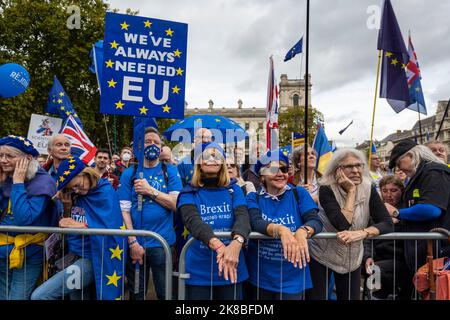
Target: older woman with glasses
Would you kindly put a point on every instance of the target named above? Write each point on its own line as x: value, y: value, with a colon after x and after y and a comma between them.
x: 213, y: 202
x: 279, y: 268
x: 352, y: 208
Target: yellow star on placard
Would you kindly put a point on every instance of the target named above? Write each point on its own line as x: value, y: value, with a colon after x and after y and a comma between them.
x: 109, y: 63
x: 394, y: 61
x: 114, y: 44
x: 61, y: 94
x: 71, y: 167
x: 112, y: 83
x: 147, y: 24
x: 143, y: 110
x: 169, y: 32
x: 166, y: 108
x: 389, y: 54
x: 59, y: 101
x: 176, y: 90
x: 124, y: 26
x: 119, y: 105
x: 113, y: 279
x: 116, y: 253
x: 62, y: 179
x: 179, y: 71
x: 177, y: 53
x: 66, y: 173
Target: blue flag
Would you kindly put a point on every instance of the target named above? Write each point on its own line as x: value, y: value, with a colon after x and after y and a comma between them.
x: 297, y: 48
x: 394, y: 84
x: 96, y: 66
x: 287, y: 150
x: 417, y: 101
x: 323, y: 149
x: 139, y: 125
x: 374, y: 148
x: 59, y: 103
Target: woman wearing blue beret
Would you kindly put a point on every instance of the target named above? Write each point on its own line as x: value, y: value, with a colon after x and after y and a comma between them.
x: 89, y: 202
x: 213, y: 203
x: 25, y: 200
x: 278, y: 268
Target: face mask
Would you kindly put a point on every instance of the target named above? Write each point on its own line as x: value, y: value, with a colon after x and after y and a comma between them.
x: 126, y: 157
x: 152, y: 152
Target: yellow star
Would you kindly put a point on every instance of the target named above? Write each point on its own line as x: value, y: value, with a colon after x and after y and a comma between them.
x: 71, y: 167
x: 114, y: 44
x: 119, y: 298
x: 124, y: 25
x: 394, y: 61
x: 71, y: 160
x: 113, y: 279
x: 68, y: 113
x: 185, y: 233
x: 116, y: 253
x: 177, y: 53
x: 62, y: 179
x: 66, y: 173
x: 27, y: 143
x: 119, y: 105
x: 143, y: 110
x: 403, y: 66
x: 217, y: 120
x: 112, y: 83
x: 176, y: 90
x: 63, y: 108
x: 109, y: 63
x: 166, y: 108
x: 169, y: 32
x: 61, y: 94
x: 179, y: 71
x: 123, y: 227
x: 417, y: 89
x: 59, y: 101
x: 389, y: 54
x: 147, y: 24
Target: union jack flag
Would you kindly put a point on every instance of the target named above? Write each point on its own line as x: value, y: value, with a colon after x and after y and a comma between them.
x: 82, y: 147
x: 272, y: 107
x: 413, y: 75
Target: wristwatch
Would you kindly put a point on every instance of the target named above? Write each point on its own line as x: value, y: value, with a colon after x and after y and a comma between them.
x: 155, y: 194
x: 395, y: 213
x: 308, y: 233
x: 239, y: 239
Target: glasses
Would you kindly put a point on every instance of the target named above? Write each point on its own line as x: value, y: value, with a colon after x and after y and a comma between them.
x: 274, y: 170
x: 349, y: 167
x: 211, y: 155
x: 8, y: 157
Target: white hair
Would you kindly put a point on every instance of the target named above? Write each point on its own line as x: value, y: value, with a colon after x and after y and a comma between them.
x: 51, y: 141
x: 33, y: 166
x: 421, y: 153
x: 329, y: 176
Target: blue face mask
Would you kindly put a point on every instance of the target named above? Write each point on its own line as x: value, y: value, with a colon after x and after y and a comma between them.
x: 152, y: 152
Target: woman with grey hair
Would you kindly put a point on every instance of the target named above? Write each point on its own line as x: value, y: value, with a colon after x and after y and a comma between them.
x: 347, y: 205
x: 26, y: 191
x: 426, y: 200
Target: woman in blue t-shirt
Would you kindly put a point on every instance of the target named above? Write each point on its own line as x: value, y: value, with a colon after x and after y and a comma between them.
x: 278, y: 269
x: 213, y: 203
x: 89, y: 202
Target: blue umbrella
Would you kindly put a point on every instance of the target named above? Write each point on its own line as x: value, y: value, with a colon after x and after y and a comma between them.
x: 184, y: 130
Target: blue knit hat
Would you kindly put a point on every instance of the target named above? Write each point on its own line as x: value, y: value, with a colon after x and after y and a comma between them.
x: 271, y: 155
x: 21, y: 143
x: 67, y: 170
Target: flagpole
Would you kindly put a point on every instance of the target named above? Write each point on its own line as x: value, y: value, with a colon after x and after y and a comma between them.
x: 107, y: 135
x: 420, y: 125
x: 374, y: 107
x: 442, y: 120
x: 306, y: 92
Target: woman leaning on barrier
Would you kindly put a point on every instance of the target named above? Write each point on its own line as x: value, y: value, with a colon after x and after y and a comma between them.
x: 25, y: 200
x: 279, y: 268
x: 213, y: 203
x: 89, y: 202
x: 426, y: 200
x: 347, y: 204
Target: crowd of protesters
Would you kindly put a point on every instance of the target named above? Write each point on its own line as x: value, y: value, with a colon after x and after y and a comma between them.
x: 210, y: 191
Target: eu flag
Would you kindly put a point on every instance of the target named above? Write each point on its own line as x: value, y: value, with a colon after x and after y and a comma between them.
x: 394, y: 84
x: 417, y: 101
x: 297, y: 48
x: 96, y: 66
x: 59, y: 103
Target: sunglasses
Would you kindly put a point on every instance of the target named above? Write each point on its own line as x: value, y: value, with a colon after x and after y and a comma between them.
x: 231, y: 165
x: 274, y: 170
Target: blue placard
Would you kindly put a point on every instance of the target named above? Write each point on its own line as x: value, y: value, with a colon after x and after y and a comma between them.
x: 144, y: 67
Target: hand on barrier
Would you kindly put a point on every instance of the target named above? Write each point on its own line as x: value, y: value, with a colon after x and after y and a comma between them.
x: 347, y: 237
x: 301, y: 237
x: 70, y: 223
x: 291, y: 247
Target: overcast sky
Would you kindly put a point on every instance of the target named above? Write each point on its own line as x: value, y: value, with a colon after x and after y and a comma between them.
x: 230, y: 41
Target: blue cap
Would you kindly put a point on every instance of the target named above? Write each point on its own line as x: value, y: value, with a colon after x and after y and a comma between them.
x: 271, y: 155
x: 21, y: 143
x: 67, y: 170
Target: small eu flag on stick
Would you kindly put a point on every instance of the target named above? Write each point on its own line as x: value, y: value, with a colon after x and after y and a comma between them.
x: 297, y: 48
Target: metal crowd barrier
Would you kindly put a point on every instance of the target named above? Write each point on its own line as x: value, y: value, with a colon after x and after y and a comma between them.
x: 396, y: 236
x: 103, y: 232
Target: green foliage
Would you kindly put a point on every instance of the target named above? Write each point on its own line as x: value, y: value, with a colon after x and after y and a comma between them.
x: 293, y: 120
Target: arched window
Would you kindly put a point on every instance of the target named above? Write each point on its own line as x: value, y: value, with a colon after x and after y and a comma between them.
x: 295, y: 98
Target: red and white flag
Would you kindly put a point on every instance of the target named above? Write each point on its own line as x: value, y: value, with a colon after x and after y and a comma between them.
x: 82, y: 147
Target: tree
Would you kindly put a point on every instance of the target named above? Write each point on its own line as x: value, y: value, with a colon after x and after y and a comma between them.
x: 292, y: 120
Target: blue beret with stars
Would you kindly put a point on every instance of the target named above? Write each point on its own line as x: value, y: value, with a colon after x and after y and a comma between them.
x: 21, y: 143
x: 67, y: 170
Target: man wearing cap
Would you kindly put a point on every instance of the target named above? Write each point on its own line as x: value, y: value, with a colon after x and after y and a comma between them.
x: 25, y: 200
x: 426, y: 200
